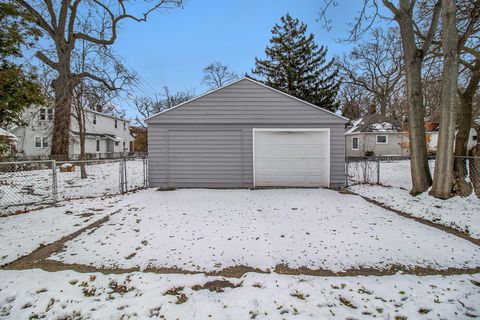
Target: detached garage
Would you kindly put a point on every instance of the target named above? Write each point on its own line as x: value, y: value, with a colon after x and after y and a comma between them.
x: 243, y: 135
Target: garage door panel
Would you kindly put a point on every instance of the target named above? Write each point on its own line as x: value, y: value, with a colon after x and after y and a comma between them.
x: 297, y: 158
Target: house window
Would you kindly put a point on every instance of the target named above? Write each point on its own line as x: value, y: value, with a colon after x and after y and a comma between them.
x: 382, y: 139
x: 41, y: 142
x: 98, y: 145
x: 474, y: 138
x: 116, y: 124
x: 94, y: 118
x: 124, y: 149
x: 46, y: 114
x: 116, y: 143
x: 124, y: 126
x: 355, y: 143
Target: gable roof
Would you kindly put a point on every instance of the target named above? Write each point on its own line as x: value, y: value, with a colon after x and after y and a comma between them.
x: 374, y: 123
x: 251, y: 80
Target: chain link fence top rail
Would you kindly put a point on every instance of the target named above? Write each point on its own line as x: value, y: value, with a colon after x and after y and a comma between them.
x: 30, y: 185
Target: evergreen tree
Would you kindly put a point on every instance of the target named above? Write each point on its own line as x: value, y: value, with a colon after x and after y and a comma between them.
x: 18, y: 87
x: 296, y: 65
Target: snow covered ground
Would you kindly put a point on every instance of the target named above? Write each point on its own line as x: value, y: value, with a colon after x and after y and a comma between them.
x: 68, y: 295
x: 21, y: 234
x: 27, y: 190
x: 209, y: 230
x: 460, y: 213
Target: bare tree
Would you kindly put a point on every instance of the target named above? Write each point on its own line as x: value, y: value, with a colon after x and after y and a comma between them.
x: 354, y: 100
x: 60, y: 22
x: 376, y: 66
x: 147, y: 107
x: 443, y: 178
x: 416, y: 43
x: 216, y: 75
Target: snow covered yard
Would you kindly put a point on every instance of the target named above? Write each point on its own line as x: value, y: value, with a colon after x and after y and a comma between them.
x: 21, y: 234
x: 27, y: 190
x: 210, y: 230
x: 68, y: 295
x: 459, y: 213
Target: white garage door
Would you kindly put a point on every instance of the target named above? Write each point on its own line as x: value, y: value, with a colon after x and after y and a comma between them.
x: 291, y: 157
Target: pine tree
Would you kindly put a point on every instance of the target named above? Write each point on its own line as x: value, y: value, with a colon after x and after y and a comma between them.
x: 296, y: 65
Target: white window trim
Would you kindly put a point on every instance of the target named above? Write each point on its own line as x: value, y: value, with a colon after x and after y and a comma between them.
x: 42, y: 142
x: 381, y: 135
x: 358, y: 143
x: 327, y: 130
x: 47, y: 114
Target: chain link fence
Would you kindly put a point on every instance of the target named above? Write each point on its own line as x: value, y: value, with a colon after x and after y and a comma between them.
x: 395, y: 171
x: 28, y: 185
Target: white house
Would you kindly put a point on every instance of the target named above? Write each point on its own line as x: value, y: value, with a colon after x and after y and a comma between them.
x: 106, y: 135
x: 376, y: 135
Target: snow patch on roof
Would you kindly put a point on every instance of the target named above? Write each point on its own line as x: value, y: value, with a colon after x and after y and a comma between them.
x: 5, y: 133
x: 355, y: 125
x: 374, y: 123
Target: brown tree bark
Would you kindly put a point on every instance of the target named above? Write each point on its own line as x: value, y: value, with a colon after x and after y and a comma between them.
x: 63, y: 89
x: 413, y: 58
x: 443, y: 178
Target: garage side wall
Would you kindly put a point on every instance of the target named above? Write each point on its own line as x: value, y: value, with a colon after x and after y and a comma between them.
x: 164, y: 144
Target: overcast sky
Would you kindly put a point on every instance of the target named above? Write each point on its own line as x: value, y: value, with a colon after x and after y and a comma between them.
x: 173, y: 47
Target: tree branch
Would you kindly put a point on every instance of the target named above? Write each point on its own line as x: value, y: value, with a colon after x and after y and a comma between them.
x: 116, y: 19
x: 42, y: 57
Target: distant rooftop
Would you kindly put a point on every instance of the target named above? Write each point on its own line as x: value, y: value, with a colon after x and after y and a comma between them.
x: 374, y: 123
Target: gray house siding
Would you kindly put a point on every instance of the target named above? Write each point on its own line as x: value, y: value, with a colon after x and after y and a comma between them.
x: 208, y: 141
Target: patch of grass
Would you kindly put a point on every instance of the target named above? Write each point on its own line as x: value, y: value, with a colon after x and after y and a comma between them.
x: 89, y: 292
x: 347, y: 302
x: 299, y: 295
x: 118, y: 288
x: 173, y: 291
x: 424, y: 310
x: 216, y: 285
x: 181, y: 298
x: 131, y: 255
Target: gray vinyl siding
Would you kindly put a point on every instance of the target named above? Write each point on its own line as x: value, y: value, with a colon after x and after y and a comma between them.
x: 208, y: 142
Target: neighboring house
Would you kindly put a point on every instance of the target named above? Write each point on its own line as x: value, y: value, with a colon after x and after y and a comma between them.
x: 376, y: 135
x: 433, y: 139
x: 8, y: 143
x: 243, y: 135
x: 106, y: 135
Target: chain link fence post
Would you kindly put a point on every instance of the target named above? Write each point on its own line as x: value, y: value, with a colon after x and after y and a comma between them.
x: 378, y: 171
x: 145, y: 174
x: 54, y: 182
x: 125, y: 173
x: 121, y: 180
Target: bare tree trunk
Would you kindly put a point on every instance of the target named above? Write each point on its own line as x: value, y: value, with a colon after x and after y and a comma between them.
x: 63, y: 89
x: 413, y: 57
x: 464, y: 123
x: 443, y: 178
